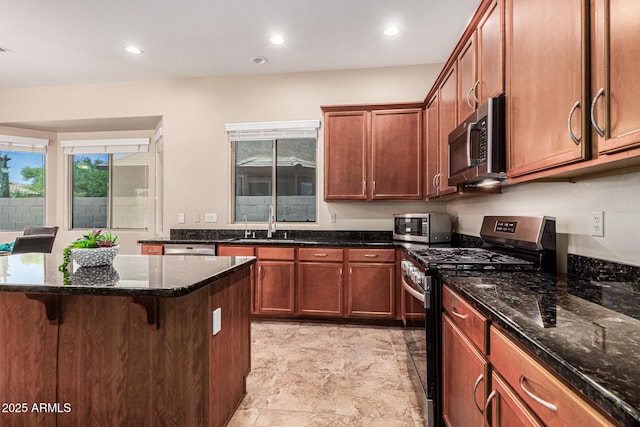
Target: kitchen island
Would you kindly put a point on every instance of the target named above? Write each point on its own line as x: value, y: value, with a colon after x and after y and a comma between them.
x: 133, y: 344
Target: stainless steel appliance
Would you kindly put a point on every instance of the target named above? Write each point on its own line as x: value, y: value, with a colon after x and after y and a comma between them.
x: 477, y: 146
x: 422, y: 227
x: 175, y: 249
x: 509, y: 243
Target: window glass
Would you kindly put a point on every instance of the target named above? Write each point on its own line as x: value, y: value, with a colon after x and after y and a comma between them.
x: 293, y: 162
x: 296, y: 180
x: 21, y: 190
x: 110, y: 190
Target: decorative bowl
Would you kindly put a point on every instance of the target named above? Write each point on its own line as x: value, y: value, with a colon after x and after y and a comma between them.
x: 94, y: 257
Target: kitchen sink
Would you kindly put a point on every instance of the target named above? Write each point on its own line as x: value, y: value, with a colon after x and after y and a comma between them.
x: 250, y: 240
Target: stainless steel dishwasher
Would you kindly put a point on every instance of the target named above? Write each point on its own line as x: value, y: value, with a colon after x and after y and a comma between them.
x: 171, y: 249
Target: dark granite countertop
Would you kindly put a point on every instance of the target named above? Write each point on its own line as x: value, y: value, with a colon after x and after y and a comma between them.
x: 130, y: 275
x: 585, y: 330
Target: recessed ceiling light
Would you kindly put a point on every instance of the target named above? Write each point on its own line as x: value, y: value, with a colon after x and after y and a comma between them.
x: 134, y: 50
x: 259, y: 60
x: 391, y: 31
x: 276, y: 39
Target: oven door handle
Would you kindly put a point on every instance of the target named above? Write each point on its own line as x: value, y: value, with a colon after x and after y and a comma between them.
x: 420, y: 297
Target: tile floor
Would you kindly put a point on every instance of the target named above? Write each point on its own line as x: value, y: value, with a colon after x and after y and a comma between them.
x: 308, y: 374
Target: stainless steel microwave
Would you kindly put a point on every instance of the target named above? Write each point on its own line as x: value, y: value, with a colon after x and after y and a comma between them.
x: 477, y: 146
x: 422, y: 227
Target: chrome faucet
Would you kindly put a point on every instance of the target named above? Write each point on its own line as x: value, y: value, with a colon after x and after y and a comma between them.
x: 247, y: 233
x: 272, y: 222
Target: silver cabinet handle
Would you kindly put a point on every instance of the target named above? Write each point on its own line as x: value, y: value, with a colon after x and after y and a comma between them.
x: 475, y: 86
x: 469, y: 97
x: 371, y: 255
x: 433, y: 182
x: 594, y: 122
x: 571, y: 134
x: 486, y: 406
x: 475, y: 388
x: 320, y: 255
x: 544, y: 403
x: 455, y: 313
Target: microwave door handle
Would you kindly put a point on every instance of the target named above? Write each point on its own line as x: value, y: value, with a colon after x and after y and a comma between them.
x: 470, y: 129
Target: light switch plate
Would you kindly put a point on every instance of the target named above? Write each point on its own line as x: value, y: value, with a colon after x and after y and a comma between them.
x: 211, y: 217
x: 181, y: 217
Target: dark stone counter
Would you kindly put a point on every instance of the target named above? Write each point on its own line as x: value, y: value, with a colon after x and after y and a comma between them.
x: 587, y: 331
x: 130, y: 275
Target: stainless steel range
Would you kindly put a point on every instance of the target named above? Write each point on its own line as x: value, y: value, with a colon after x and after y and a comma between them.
x: 511, y: 243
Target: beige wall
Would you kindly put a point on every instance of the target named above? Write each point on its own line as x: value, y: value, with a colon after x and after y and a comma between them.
x: 196, y: 151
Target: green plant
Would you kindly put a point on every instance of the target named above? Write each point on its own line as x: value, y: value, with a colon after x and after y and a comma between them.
x: 93, y: 239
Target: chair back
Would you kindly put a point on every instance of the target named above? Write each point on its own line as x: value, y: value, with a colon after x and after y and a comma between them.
x: 33, y: 243
x: 29, y: 230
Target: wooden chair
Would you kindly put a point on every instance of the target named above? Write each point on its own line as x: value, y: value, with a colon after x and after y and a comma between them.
x: 33, y: 243
x: 28, y: 230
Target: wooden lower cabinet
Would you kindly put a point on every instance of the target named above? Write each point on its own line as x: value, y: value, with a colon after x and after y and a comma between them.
x: 371, y: 290
x: 550, y: 399
x: 504, y: 408
x: 464, y: 378
x: 234, y: 250
x: 320, y: 289
x: 275, y: 288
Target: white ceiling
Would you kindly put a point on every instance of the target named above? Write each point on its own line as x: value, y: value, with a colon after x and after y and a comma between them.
x: 56, y: 42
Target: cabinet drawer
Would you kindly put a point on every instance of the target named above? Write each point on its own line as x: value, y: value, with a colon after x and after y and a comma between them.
x: 275, y: 253
x: 150, y: 249
x: 320, y: 254
x: 553, y: 402
x: 233, y: 250
x: 372, y: 255
x: 466, y: 317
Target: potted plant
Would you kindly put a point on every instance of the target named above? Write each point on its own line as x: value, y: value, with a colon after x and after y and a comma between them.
x: 91, y: 250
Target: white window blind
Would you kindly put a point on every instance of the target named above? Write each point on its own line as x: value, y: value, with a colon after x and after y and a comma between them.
x: 259, y: 131
x: 98, y: 146
x: 23, y: 143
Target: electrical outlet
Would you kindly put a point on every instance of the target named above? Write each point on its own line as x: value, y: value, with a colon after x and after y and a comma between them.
x: 181, y: 217
x: 211, y: 217
x: 333, y: 217
x: 597, y: 223
x: 197, y: 218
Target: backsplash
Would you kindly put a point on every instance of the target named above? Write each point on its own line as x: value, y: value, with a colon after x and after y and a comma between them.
x: 601, y: 270
x: 208, y: 234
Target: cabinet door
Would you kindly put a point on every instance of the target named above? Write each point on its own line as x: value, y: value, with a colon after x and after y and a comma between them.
x: 275, y: 287
x: 506, y: 408
x: 615, y: 63
x: 490, y: 52
x: 464, y: 374
x: 546, y: 103
x: 447, y: 121
x: 371, y: 290
x: 345, y: 155
x: 396, y: 154
x: 467, y: 79
x: 320, y: 289
x: 432, y: 147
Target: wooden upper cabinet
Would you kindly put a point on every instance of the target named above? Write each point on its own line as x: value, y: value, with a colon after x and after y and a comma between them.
x: 615, y: 90
x: 490, y: 52
x: 346, y: 136
x: 373, y: 154
x: 447, y: 121
x: 396, y: 154
x: 545, y: 85
x: 467, y: 82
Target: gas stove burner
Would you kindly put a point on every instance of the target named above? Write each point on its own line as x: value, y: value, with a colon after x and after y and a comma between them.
x: 471, y: 259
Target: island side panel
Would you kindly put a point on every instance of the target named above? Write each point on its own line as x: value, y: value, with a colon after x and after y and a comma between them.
x: 27, y: 362
x: 230, y: 348
x: 116, y: 371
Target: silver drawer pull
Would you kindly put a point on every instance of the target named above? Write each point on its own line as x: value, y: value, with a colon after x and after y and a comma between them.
x: 455, y: 313
x: 544, y: 403
x: 371, y: 255
x: 322, y: 255
x: 486, y: 406
x: 475, y: 388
